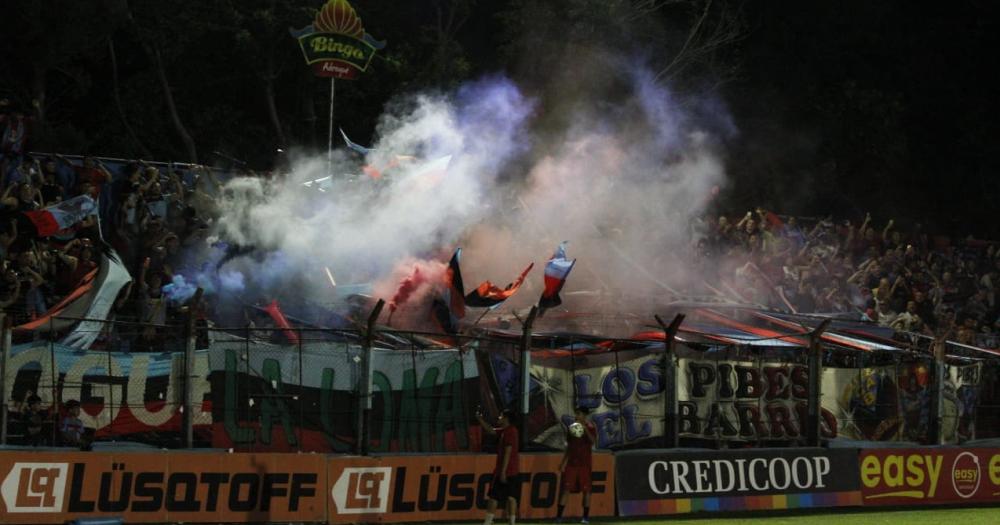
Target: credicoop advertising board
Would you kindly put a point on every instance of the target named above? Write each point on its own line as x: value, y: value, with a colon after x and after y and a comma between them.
x: 652, y: 482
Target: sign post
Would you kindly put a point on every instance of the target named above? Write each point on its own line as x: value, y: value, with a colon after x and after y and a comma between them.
x: 336, y: 46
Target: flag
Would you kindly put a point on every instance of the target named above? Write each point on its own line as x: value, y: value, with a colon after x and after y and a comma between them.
x: 489, y: 295
x: 556, y: 272
x: 49, y: 221
x: 355, y: 147
x: 449, y: 307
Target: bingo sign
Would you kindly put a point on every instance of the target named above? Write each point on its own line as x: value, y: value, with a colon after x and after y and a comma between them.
x: 930, y: 476
x: 336, y: 44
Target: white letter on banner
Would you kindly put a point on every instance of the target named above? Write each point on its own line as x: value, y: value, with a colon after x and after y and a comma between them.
x: 753, y: 473
x: 822, y: 469
x: 137, y: 394
x: 718, y: 475
x: 652, y: 477
x: 772, y: 470
x: 680, y: 471
x: 112, y: 401
x: 39, y: 356
x: 807, y: 467
x: 701, y: 476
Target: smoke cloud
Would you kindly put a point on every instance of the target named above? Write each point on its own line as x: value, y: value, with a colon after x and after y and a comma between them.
x: 476, y: 168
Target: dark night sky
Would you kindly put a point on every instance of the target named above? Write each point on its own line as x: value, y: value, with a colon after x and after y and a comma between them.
x: 841, y: 107
x: 887, y: 106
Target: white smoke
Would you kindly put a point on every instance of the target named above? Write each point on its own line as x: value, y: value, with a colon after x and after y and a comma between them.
x: 621, y: 183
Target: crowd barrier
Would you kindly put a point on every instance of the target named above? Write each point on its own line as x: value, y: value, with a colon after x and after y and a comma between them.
x: 215, y: 487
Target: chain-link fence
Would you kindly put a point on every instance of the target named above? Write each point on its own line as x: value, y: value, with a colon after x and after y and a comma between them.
x: 302, y: 390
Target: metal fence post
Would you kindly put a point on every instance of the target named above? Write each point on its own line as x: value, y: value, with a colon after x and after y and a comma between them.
x: 189, y: 344
x: 4, y: 345
x: 937, y: 392
x: 365, y: 403
x: 670, y: 430
x: 525, y: 400
x: 815, y: 417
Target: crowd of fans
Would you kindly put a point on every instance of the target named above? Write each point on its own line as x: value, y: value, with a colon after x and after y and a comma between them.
x: 903, y: 279
x: 147, y: 213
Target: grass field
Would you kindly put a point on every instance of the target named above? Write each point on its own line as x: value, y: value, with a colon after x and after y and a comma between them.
x: 967, y: 516
x: 942, y: 516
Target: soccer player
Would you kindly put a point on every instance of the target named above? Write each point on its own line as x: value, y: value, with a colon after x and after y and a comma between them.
x: 576, y: 465
x: 504, y: 487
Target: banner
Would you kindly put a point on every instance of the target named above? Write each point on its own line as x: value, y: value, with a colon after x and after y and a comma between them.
x: 653, y: 482
x: 278, y: 399
x: 625, y: 401
x: 892, y: 403
x: 43, y: 487
x: 925, y: 476
x: 724, y: 395
x: 394, y: 489
x: 121, y: 394
x: 745, y: 400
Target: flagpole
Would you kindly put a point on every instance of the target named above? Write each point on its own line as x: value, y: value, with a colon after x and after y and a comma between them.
x: 481, y: 316
x: 329, y: 141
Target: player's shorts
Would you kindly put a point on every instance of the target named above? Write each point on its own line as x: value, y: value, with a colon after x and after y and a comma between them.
x: 500, y: 491
x: 576, y: 479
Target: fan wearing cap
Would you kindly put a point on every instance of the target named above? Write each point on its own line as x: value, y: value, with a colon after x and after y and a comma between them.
x: 504, y: 487
x: 577, y: 462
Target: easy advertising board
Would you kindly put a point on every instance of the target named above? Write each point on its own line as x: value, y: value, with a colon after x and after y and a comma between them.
x: 654, y: 482
x: 158, y: 487
x: 396, y: 489
x: 925, y: 476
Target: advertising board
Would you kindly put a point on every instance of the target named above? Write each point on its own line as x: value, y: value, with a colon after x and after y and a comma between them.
x: 452, y: 487
x: 652, y: 482
x: 56, y: 487
x: 930, y: 476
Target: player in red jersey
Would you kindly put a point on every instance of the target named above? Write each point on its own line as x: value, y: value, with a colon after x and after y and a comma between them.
x: 576, y: 465
x: 504, y: 487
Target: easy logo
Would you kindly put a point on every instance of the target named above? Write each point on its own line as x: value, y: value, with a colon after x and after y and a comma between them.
x: 965, y: 474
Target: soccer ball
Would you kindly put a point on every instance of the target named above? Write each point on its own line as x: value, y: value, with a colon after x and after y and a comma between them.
x: 576, y: 430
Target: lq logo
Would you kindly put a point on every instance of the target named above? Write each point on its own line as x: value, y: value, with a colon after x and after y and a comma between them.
x: 34, y: 487
x: 362, y: 490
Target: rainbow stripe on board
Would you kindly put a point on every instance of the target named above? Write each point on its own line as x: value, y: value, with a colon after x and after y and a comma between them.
x: 733, y: 503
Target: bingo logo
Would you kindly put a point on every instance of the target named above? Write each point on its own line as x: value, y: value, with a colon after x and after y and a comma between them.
x: 34, y: 487
x: 965, y: 474
x: 362, y: 490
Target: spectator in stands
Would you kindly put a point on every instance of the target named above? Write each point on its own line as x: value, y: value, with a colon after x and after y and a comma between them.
x: 33, y: 418
x: 71, y: 429
x: 24, y: 171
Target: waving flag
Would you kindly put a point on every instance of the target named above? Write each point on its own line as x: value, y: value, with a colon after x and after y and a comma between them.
x: 449, y: 307
x: 49, y: 221
x: 355, y: 147
x: 489, y: 295
x: 556, y: 272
